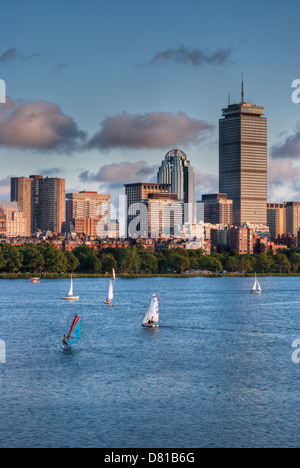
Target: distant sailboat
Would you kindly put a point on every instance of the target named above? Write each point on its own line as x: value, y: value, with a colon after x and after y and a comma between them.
x: 256, y: 287
x: 114, y: 274
x: 74, y: 333
x: 70, y: 296
x: 152, y: 316
x: 110, y: 293
x: 34, y: 280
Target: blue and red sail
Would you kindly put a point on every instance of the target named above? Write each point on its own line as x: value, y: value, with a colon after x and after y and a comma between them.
x: 74, y: 333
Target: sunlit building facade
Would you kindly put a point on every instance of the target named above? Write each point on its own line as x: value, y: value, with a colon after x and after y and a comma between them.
x: 243, y: 162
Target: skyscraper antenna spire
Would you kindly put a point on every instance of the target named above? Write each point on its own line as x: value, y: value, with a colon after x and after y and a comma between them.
x: 243, y: 88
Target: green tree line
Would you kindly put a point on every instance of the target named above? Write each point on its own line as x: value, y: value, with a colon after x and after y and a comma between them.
x: 46, y: 258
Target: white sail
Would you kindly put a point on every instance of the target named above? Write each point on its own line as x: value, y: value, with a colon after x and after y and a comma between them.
x: 71, y: 288
x: 114, y: 274
x: 256, y: 287
x: 152, y: 314
x: 110, y: 291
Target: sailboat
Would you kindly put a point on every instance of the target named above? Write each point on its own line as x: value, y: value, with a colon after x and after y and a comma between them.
x: 34, y: 280
x: 152, y: 316
x: 110, y: 293
x: 114, y: 274
x: 74, y: 333
x: 70, y: 296
x: 256, y: 287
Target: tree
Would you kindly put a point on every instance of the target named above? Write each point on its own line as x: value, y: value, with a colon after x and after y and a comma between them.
x: 263, y: 262
x: 91, y: 264
x: 181, y: 262
x: 108, y: 262
x: 131, y: 262
x: 214, y: 264
x: 246, y: 263
x: 232, y: 263
x: 149, y: 261
x: 2, y: 260
x: 12, y: 257
x: 281, y: 262
x: 72, y: 261
x: 295, y: 261
x: 33, y: 259
x: 55, y: 260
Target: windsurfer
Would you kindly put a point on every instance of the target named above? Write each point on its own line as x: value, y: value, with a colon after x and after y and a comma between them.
x: 64, y: 340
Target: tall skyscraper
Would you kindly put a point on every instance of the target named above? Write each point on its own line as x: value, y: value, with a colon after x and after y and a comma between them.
x: 243, y: 161
x: 177, y: 171
x: 21, y: 193
x: 42, y: 202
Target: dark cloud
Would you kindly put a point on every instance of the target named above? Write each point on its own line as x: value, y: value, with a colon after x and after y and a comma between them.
x: 290, y: 148
x: 12, y: 54
x: 154, y: 130
x: 195, y: 57
x: 117, y: 174
x: 52, y: 171
x: 38, y: 125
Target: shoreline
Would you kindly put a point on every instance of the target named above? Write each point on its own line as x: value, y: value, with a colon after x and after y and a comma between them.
x: 43, y: 276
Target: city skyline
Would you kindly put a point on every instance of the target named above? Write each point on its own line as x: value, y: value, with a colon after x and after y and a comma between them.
x: 109, y: 70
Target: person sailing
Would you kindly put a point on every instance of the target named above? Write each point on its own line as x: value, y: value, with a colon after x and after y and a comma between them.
x: 64, y: 340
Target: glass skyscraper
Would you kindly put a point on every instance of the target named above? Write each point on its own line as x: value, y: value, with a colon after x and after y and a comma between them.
x: 243, y: 162
x: 177, y: 171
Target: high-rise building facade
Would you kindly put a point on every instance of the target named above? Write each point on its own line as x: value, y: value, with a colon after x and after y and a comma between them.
x: 276, y: 218
x: 177, y: 171
x: 292, y: 218
x: 138, y: 194
x: 243, y: 162
x: 85, y: 210
x: 15, y: 223
x: 42, y: 202
x: 217, y: 209
x: 21, y: 193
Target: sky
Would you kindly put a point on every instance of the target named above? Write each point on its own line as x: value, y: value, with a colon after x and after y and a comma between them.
x: 97, y: 91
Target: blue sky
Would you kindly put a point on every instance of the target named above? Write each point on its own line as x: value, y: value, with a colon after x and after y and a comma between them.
x: 99, y: 91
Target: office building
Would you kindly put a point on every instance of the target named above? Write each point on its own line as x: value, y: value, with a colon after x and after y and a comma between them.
x: 177, y: 171
x: 164, y: 215
x: 241, y: 240
x: 217, y: 209
x: 138, y: 194
x: 292, y: 218
x: 88, y: 213
x: 42, y: 201
x: 276, y: 218
x: 12, y: 221
x: 243, y: 161
x: 21, y: 193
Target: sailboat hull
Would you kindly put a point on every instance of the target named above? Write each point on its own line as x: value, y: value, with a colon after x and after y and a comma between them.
x: 70, y: 298
x: 150, y: 325
x: 256, y: 292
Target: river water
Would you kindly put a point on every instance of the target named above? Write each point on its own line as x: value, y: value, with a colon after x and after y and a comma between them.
x: 217, y: 373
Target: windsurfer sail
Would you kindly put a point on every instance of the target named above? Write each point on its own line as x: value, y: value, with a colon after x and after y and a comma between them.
x: 74, y: 333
